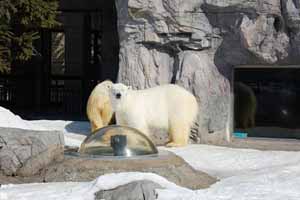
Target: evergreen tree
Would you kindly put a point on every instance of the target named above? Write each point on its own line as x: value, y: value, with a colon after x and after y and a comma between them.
x: 20, y: 21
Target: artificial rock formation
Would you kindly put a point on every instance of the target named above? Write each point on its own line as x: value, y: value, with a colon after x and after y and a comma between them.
x: 196, y: 44
x: 26, y: 152
x: 166, y: 164
x: 137, y: 190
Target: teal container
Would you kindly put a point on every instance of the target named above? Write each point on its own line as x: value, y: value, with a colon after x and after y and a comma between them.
x: 240, y: 135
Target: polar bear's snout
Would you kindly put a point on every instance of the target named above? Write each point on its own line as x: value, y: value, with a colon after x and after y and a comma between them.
x: 118, y: 91
x: 118, y: 95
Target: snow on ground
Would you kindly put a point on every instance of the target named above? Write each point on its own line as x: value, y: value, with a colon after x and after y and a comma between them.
x: 245, y: 174
x: 228, y: 162
x: 75, y: 132
x: 8, y: 119
x: 80, y: 190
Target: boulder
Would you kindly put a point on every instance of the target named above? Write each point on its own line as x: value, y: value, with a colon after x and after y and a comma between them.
x: 137, y: 190
x: 25, y: 152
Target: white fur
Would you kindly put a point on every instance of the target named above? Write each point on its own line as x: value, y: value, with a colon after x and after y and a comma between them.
x: 169, y: 107
x: 98, y: 109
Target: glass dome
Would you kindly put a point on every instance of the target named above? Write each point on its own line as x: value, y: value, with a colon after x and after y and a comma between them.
x: 117, y: 140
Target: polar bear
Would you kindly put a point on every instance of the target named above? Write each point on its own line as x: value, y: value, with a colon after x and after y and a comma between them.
x: 169, y: 107
x: 98, y: 109
x: 244, y: 106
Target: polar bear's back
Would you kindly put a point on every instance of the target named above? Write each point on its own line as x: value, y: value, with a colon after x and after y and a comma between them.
x: 171, y: 100
x: 181, y: 104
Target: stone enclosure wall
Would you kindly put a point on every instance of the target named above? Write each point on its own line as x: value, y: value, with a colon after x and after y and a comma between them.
x: 196, y: 44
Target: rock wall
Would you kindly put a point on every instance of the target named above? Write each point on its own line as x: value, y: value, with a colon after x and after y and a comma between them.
x: 196, y: 44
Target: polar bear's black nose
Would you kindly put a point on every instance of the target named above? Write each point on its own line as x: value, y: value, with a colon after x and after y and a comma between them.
x: 118, y: 95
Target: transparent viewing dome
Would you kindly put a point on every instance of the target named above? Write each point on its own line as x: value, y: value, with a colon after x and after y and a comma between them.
x: 117, y: 141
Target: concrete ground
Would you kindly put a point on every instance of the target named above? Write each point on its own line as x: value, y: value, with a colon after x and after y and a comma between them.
x: 261, y: 143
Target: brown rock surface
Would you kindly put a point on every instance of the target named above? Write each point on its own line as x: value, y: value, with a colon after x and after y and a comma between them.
x: 166, y: 164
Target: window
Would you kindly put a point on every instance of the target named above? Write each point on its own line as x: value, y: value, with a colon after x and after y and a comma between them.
x: 267, y: 101
x: 57, y: 53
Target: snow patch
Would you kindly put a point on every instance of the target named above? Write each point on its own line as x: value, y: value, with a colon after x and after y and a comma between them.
x: 9, y: 119
x: 81, y: 190
x: 74, y: 131
x: 225, y: 162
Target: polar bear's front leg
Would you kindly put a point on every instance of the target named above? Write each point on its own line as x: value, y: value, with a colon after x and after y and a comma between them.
x: 133, y: 121
x: 141, y: 127
x: 120, y: 119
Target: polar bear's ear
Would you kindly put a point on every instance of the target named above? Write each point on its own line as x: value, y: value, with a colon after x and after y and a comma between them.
x: 129, y: 87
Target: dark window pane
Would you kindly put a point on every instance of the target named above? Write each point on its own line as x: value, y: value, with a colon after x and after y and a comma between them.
x: 266, y: 101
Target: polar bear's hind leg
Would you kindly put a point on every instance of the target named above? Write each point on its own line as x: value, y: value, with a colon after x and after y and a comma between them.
x: 178, y: 135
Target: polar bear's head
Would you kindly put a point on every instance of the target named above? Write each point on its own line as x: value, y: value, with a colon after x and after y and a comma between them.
x: 118, y: 92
